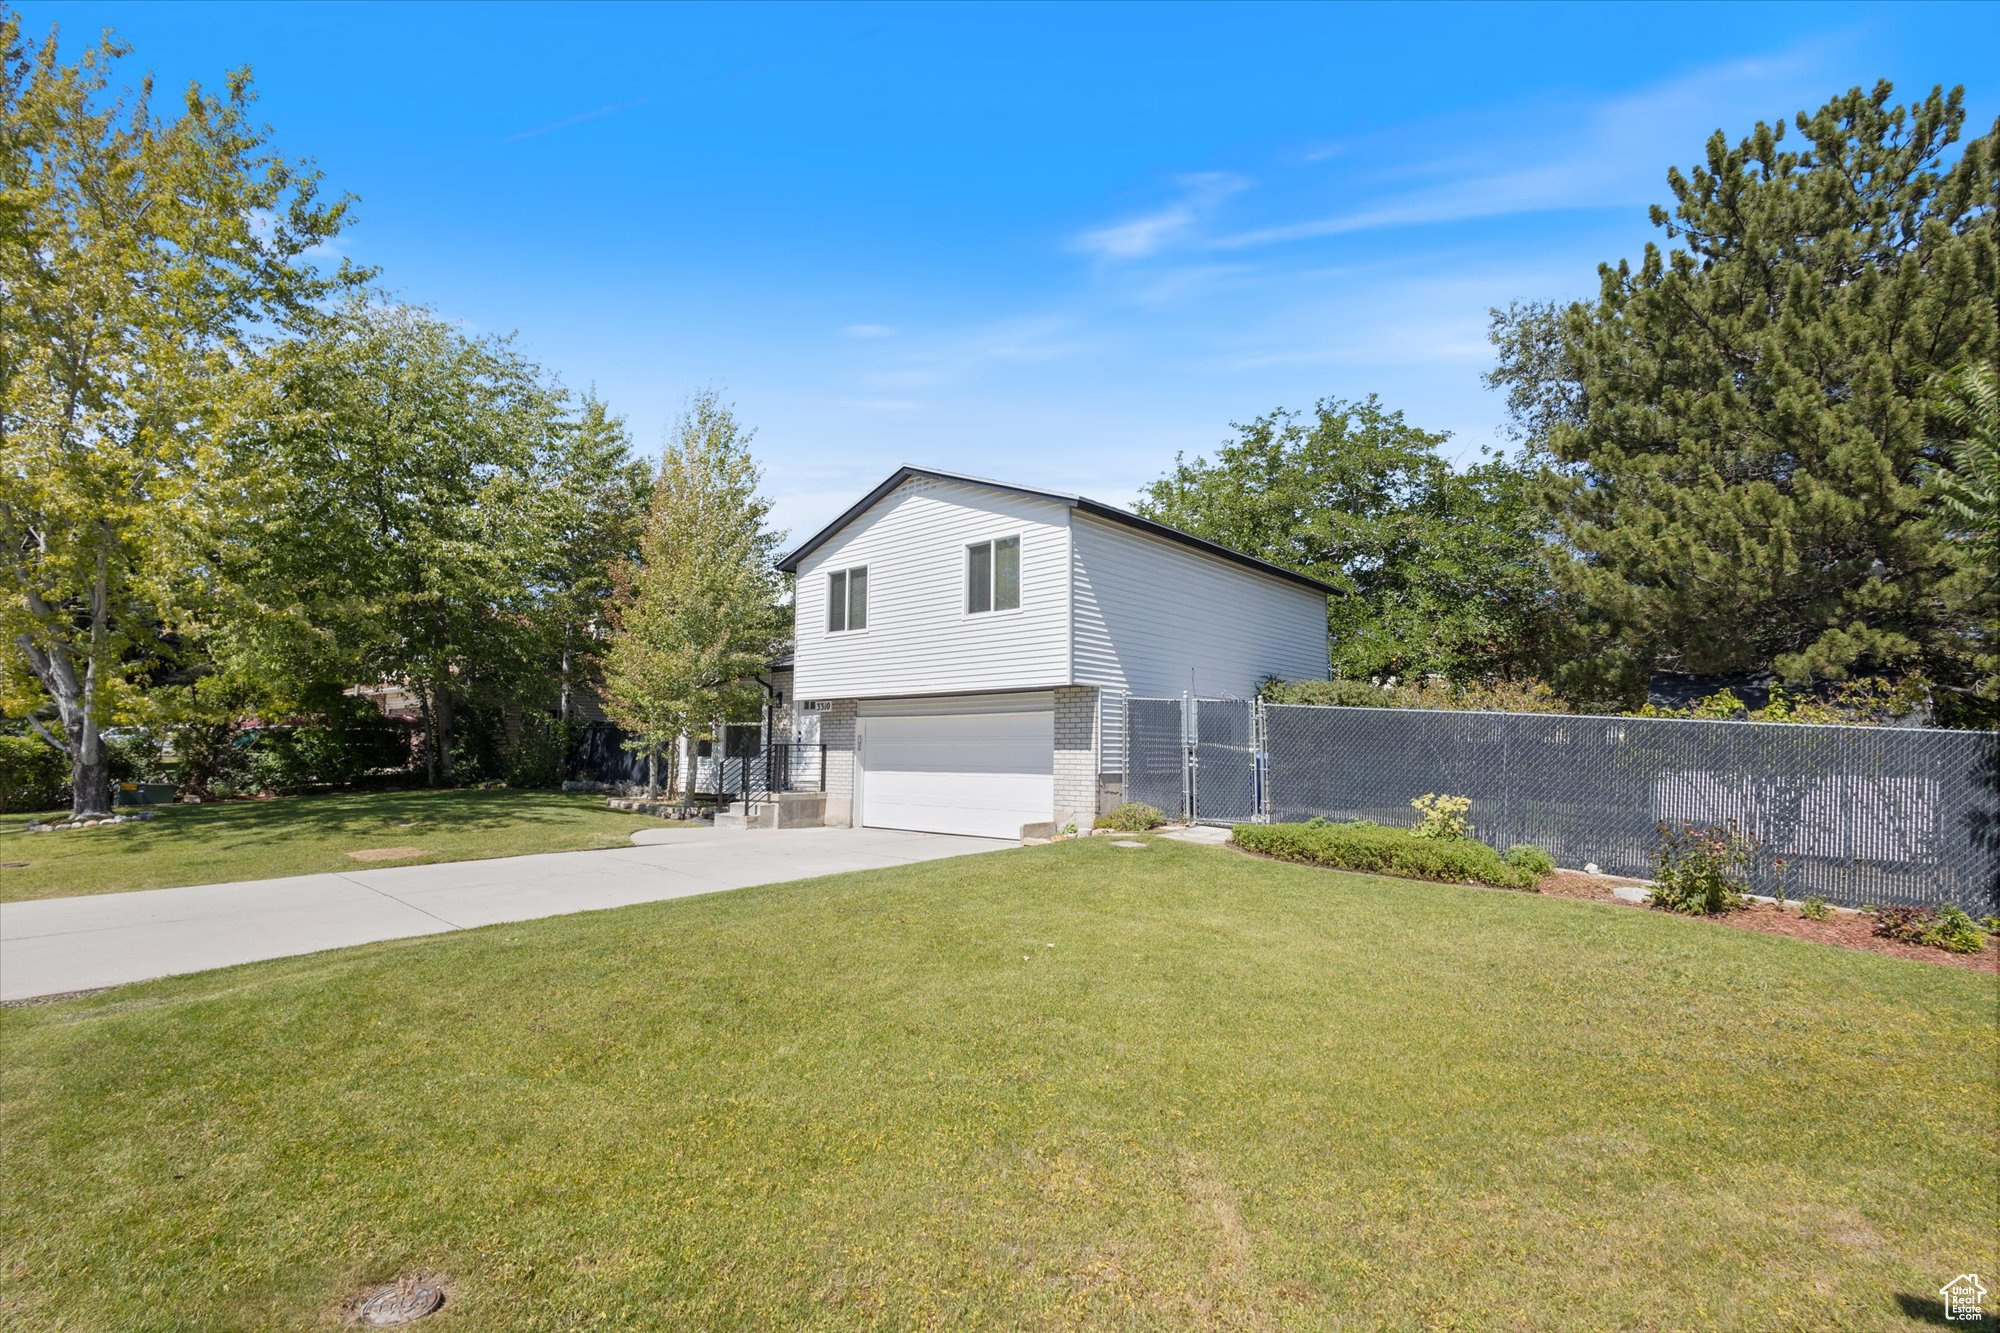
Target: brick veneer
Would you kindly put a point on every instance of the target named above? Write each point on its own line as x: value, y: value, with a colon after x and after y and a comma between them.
x: 836, y: 732
x: 1076, y: 756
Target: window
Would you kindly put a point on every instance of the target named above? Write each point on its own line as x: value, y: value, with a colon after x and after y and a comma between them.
x: 993, y: 576
x: 847, y: 600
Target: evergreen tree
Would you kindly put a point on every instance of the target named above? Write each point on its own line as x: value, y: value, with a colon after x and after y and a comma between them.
x: 1737, y: 426
x: 697, y: 616
x: 1967, y: 405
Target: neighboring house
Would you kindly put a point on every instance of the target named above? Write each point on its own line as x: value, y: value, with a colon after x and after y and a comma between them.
x: 963, y: 648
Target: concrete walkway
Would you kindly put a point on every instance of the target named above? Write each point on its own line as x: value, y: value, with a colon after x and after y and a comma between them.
x: 56, y: 945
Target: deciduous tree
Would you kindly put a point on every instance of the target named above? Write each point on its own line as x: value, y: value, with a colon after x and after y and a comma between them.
x: 144, y: 257
x: 697, y: 616
x: 1438, y: 568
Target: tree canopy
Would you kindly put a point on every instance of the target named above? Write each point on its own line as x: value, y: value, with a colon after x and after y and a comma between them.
x: 696, y: 617
x: 1438, y: 568
x: 145, y: 258
x: 1741, y: 474
x: 434, y: 509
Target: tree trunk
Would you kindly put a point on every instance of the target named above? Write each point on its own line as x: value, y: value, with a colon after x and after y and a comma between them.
x: 442, y: 707
x: 430, y: 735
x: 89, y: 775
x: 75, y: 696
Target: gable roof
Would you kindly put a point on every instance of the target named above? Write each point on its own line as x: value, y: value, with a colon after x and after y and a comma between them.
x: 1095, y: 508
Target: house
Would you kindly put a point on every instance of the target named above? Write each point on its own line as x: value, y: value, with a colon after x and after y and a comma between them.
x: 963, y: 649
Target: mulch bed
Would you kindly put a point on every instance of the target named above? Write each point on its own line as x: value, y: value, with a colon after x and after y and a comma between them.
x: 1848, y: 930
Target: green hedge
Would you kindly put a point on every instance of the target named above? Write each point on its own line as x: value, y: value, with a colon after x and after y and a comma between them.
x: 33, y: 776
x: 1385, y: 851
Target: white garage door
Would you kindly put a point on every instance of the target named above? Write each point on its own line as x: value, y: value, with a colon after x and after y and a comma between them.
x: 978, y: 767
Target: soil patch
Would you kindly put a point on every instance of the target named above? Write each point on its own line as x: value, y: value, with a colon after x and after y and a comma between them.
x: 1847, y: 930
x: 385, y: 853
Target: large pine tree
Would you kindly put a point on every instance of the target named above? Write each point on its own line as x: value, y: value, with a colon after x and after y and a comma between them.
x: 1746, y: 481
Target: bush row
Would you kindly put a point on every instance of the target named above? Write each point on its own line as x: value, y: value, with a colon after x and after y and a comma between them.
x: 1382, y: 850
x: 33, y: 775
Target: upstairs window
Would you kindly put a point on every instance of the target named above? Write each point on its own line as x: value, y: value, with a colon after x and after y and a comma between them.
x: 847, y: 600
x: 993, y: 576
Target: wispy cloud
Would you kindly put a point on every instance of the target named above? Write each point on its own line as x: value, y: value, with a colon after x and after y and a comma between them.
x: 1135, y: 238
x: 868, y: 331
x: 1611, y: 155
x: 578, y: 119
x: 906, y: 379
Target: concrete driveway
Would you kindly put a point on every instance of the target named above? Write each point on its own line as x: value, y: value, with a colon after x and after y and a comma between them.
x: 69, y: 944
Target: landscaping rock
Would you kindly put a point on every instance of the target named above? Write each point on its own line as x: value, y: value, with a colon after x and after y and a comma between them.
x: 106, y: 822
x: 1631, y: 893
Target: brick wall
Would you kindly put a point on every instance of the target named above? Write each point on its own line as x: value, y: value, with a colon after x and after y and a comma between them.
x: 1076, y: 756
x: 836, y: 731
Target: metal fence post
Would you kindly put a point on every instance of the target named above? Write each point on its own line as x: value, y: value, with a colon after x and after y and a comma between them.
x: 1191, y: 761
x: 1261, y: 763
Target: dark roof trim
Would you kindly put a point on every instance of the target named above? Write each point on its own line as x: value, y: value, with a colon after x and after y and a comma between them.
x: 1095, y: 508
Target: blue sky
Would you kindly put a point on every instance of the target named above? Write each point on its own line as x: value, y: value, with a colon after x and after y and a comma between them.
x: 1054, y: 245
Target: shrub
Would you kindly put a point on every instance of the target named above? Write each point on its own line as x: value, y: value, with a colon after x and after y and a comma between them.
x: 1526, y: 856
x: 33, y: 775
x: 1948, y: 928
x: 1132, y: 817
x: 1328, y: 693
x: 1700, y: 870
x: 1506, y: 696
x: 1815, y: 909
x: 539, y: 752
x: 1387, y: 851
x: 1443, y: 816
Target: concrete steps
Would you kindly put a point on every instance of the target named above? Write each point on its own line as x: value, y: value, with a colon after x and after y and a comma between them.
x: 787, y: 809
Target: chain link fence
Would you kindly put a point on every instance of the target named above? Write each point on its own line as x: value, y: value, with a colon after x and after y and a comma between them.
x: 1156, y: 754
x: 1855, y: 815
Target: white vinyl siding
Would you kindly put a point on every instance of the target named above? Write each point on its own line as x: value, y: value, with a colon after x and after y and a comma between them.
x: 920, y: 639
x: 1154, y: 617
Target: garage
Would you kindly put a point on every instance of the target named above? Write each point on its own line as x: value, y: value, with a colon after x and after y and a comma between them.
x: 981, y: 766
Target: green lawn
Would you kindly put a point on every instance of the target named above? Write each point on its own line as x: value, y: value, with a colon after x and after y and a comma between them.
x: 1060, y: 1087
x: 303, y: 835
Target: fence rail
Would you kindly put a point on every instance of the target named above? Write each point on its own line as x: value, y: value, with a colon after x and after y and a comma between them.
x: 1852, y: 814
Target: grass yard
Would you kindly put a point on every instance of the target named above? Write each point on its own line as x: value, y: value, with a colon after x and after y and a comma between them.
x: 303, y: 835
x: 1059, y: 1087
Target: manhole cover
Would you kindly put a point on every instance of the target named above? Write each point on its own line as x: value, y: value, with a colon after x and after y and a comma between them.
x: 398, y: 1303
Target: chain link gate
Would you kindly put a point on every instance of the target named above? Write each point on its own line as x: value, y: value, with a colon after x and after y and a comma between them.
x: 1224, y: 767
x: 1195, y: 759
